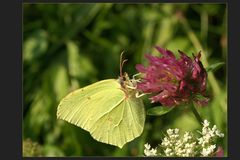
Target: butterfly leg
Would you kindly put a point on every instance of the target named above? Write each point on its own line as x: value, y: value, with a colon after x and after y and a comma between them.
x: 139, y: 95
x: 131, y: 87
x: 136, y: 79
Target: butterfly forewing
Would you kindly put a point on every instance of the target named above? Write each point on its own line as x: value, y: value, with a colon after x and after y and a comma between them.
x: 82, y: 107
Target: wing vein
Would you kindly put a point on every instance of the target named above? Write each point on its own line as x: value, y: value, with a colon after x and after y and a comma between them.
x: 110, y: 110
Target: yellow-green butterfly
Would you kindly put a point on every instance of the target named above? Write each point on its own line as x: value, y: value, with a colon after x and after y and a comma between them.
x: 110, y: 110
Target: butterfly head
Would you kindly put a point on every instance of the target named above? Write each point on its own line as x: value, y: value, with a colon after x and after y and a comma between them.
x: 129, y: 86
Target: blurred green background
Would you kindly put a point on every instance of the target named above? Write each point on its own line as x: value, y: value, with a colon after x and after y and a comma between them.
x: 67, y: 46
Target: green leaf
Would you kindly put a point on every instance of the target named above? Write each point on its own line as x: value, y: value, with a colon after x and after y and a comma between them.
x: 214, y: 67
x: 35, y: 45
x: 158, y: 111
x: 80, y: 66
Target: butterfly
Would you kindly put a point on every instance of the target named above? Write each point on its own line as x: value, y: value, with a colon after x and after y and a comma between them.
x: 110, y: 110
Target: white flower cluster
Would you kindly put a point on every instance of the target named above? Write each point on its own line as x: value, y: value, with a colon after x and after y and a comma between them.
x: 208, y: 136
x: 187, y: 145
x: 174, y: 145
x: 148, y: 151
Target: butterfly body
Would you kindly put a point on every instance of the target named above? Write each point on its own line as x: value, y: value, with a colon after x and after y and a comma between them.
x: 108, y: 109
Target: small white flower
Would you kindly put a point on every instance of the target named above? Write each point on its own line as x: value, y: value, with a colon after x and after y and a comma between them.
x: 184, y: 155
x: 192, y: 144
x: 165, y: 142
x: 179, y: 151
x: 165, y: 139
x: 153, y: 152
x: 211, y: 133
x: 168, y: 150
x: 200, y: 140
x: 212, y: 147
x: 186, y: 137
x: 174, y: 136
x: 219, y: 134
x: 170, y: 132
x: 204, y: 152
x: 176, y: 130
x: 208, y: 151
x: 204, y: 130
x: 187, y: 145
x: 189, y: 150
x: 214, y: 128
x: 178, y: 143
x: 147, y: 146
x: 205, y: 123
x: 148, y: 152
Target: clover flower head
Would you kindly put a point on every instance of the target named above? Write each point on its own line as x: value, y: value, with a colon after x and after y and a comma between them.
x: 173, y: 81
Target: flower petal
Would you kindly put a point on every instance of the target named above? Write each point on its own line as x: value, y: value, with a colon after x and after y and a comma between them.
x: 173, y: 81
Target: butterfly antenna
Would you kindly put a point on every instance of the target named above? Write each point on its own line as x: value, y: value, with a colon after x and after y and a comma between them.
x: 121, y: 64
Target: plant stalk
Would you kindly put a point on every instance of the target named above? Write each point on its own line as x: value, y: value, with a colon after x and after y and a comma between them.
x: 196, y: 114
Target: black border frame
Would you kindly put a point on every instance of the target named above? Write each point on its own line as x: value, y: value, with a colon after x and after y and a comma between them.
x: 11, y: 79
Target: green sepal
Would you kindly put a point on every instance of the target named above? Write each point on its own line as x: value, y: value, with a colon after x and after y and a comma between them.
x: 159, y: 110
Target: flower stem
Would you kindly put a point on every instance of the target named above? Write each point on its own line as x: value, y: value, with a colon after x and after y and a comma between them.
x: 196, y: 114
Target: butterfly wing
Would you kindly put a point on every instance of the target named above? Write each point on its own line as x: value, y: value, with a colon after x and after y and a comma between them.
x: 104, y: 110
x: 122, y: 124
